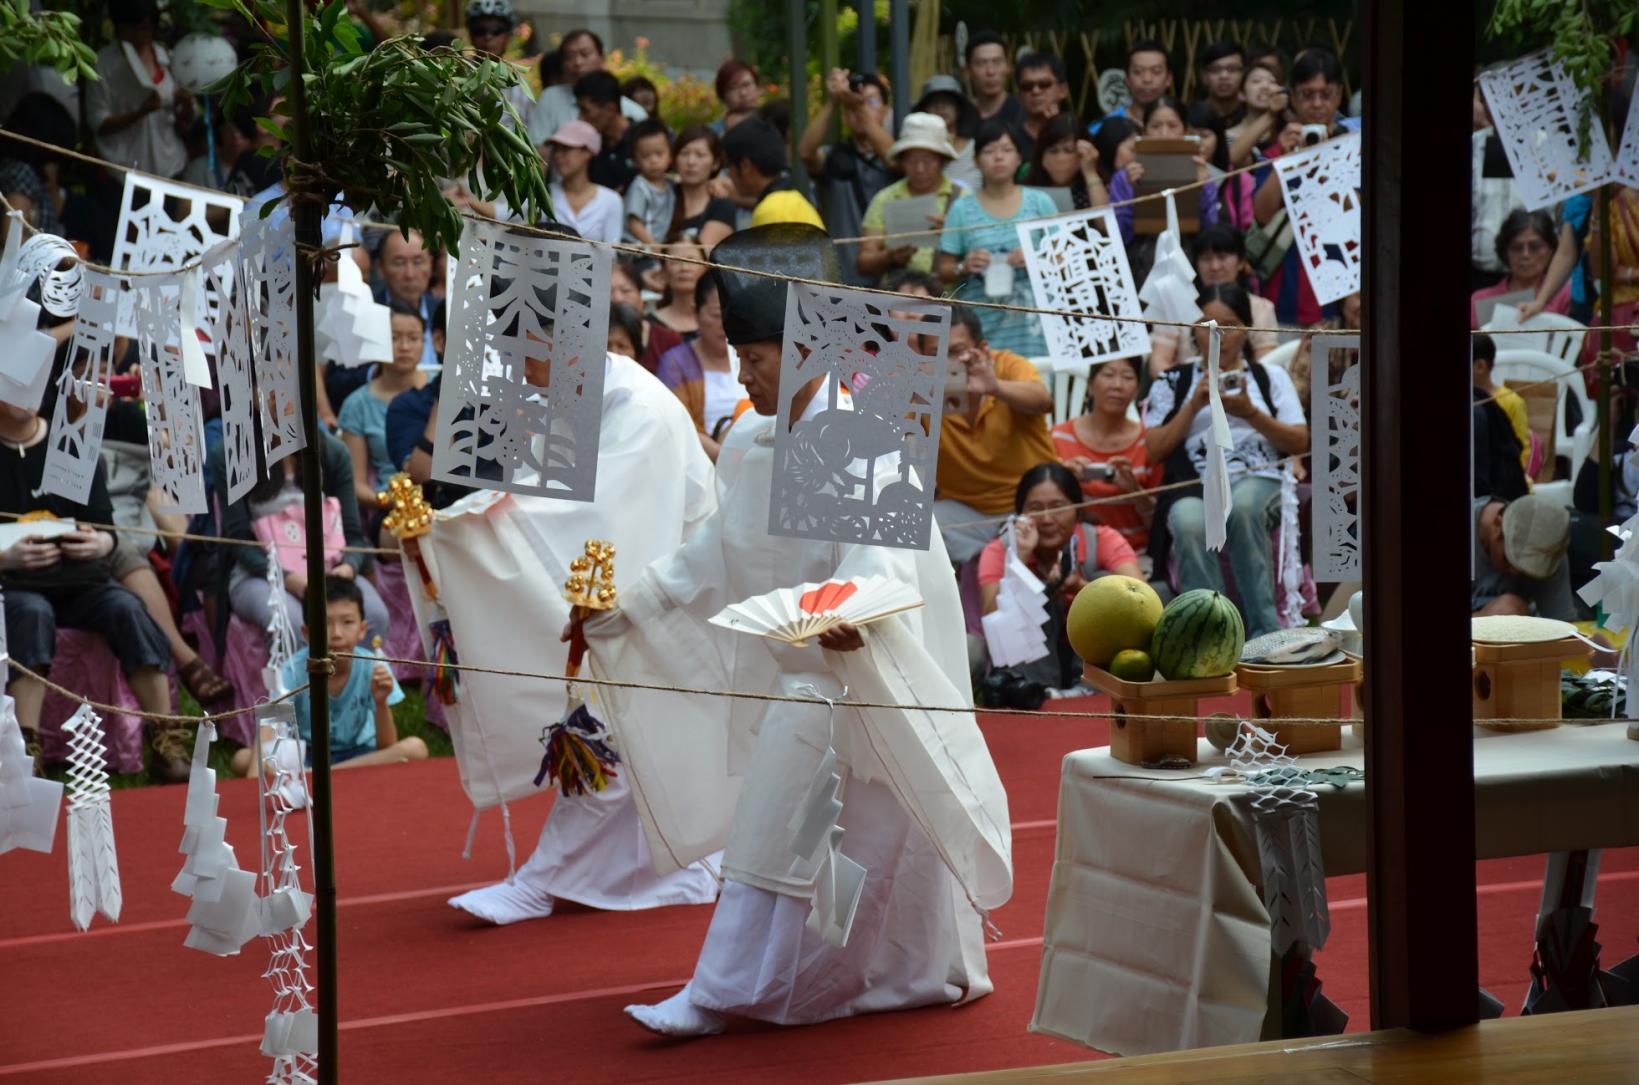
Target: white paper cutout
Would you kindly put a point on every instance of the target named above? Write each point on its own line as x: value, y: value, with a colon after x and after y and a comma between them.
x: 81, y: 410
x: 524, y: 302
x: 1013, y: 631
x: 176, y: 435
x: 163, y: 226
x: 1286, y: 818
x: 25, y: 356
x: 1169, y: 291
x: 224, y: 914
x: 231, y: 333
x: 93, y: 862
x: 351, y: 328
x: 12, y: 283
x: 1625, y: 167
x: 816, y: 841
x: 1219, y: 441
x: 1616, y: 589
x: 1289, y: 562
x: 195, y: 370
x: 39, y: 260
x: 1078, y: 263
x: 1334, y: 437
x: 1535, y: 107
x: 267, y: 262
x: 290, y: 1031
x: 5, y: 654
x: 859, y: 471
x: 28, y: 804
x: 1321, y: 187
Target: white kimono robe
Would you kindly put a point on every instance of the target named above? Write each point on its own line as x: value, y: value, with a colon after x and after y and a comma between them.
x: 500, y: 561
x: 924, y: 810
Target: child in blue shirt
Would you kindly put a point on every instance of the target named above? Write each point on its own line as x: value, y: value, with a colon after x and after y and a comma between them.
x: 362, y: 731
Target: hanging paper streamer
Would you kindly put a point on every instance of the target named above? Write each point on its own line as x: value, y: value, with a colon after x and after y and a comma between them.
x: 25, y: 351
x: 1321, y: 187
x: 42, y: 259
x: 267, y: 260
x: 13, y: 285
x: 860, y: 470
x: 194, y: 367
x: 1013, y: 631
x: 1219, y: 442
x: 224, y: 914
x: 77, y: 419
x: 290, y: 1033
x: 1615, y: 590
x: 176, y: 434
x: 351, y: 328
x: 231, y: 333
x: 1286, y: 817
x: 1536, y: 106
x: 1169, y: 292
x: 816, y: 841
x: 1625, y: 169
x: 93, y: 863
x: 1289, y: 566
x: 1078, y: 263
x: 1334, y: 455
x: 520, y: 405
x: 163, y: 226
x: 28, y: 804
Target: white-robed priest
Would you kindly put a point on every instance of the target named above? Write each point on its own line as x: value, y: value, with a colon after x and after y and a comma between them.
x: 500, y: 562
x: 922, y: 809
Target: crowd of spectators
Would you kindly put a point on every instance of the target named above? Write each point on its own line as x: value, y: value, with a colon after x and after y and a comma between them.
x: 998, y: 143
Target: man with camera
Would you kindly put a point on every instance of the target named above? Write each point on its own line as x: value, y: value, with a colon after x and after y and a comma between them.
x: 986, y: 449
x: 848, y: 174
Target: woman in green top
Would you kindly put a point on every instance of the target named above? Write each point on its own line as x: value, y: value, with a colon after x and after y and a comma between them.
x: 921, y: 154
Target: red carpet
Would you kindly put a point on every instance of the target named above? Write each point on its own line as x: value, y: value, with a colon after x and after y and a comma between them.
x: 429, y: 995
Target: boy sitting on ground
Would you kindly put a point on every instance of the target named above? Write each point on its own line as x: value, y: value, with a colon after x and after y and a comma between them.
x: 362, y: 731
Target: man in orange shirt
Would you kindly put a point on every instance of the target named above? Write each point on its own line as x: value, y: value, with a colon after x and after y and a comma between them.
x: 986, y: 450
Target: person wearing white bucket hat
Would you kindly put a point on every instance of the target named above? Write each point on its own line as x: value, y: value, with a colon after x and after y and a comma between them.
x: 921, y: 154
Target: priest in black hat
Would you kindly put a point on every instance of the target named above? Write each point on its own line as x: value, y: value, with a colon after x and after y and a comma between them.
x: 859, y: 845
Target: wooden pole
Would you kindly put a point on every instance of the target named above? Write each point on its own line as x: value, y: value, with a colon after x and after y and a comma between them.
x: 305, y: 215
x: 1607, y: 287
x: 899, y: 58
x: 1420, y: 899
x: 867, y: 36
x: 796, y: 12
x: 830, y: 57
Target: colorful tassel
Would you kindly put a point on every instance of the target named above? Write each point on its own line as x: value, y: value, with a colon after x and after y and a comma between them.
x: 445, y: 661
x: 578, y: 757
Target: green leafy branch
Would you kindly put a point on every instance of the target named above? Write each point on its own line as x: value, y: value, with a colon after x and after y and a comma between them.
x: 388, y: 126
x: 51, y: 38
x: 1583, y: 34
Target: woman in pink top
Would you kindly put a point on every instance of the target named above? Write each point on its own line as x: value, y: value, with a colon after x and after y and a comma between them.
x: 1525, y: 244
x: 1105, y: 449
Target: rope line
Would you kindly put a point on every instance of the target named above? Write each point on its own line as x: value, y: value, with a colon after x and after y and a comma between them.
x: 157, y: 717
x: 709, y: 264
x: 780, y: 698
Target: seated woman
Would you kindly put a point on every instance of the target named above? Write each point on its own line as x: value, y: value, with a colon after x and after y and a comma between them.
x: 625, y: 331
x: 1165, y: 121
x: 363, y: 417
x: 1105, y: 449
x: 674, y: 320
x: 1220, y: 257
x: 1066, y: 158
x: 704, y: 373
x: 1266, y: 421
x: 273, y: 510
x: 1064, y: 553
x: 1525, y: 244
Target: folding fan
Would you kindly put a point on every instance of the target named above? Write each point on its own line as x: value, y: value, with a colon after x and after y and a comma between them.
x: 796, y: 615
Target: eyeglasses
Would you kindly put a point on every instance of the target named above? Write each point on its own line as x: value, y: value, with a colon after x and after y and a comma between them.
x: 1033, y: 509
x: 1037, y: 84
x: 1224, y: 69
x: 1315, y: 95
x: 1526, y: 248
x: 404, y: 263
x: 488, y: 30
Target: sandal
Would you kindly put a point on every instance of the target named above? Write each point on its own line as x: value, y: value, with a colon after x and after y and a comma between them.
x: 205, y: 684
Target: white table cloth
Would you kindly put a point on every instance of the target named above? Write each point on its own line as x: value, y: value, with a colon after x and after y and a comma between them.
x: 1156, y: 937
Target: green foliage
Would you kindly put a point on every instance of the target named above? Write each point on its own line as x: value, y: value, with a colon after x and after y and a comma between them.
x: 1583, y: 34
x: 50, y: 37
x: 389, y: 125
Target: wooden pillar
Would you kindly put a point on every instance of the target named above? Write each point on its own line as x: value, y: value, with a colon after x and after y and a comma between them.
x: 1418, y: 518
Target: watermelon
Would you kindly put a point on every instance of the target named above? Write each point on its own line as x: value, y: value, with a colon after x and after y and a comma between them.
x: 1200, y: 635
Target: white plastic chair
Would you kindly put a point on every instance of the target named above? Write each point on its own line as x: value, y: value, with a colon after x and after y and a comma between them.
x: 1535, y: 365
x: 1070, y: 392
x: 1282, y: 355
x: 1549, y: 333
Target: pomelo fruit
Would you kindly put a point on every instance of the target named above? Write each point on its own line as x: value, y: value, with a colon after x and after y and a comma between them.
x: 1132, y: 665
x: 1111, y: 614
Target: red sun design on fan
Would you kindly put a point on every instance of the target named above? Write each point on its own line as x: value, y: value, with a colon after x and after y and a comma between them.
x: 827, y: 597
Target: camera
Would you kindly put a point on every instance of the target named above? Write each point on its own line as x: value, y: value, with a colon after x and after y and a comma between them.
x: 1311, y: 134
x: 1005, y: 688
x: 1097, y: 472
x: 1231, y: 383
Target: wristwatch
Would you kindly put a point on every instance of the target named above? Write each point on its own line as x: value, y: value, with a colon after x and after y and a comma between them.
x: 424, y: 445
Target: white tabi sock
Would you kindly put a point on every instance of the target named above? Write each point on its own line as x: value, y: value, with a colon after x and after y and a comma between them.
x: 677, y: 1016
x: 504, y: 903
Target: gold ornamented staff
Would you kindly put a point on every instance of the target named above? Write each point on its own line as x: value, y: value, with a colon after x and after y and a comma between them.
x: 577, y: 753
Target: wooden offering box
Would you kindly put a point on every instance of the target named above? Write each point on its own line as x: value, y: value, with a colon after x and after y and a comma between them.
x: 1301, y: 693
x: 1520, y: 681
x: 1136, y: 741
